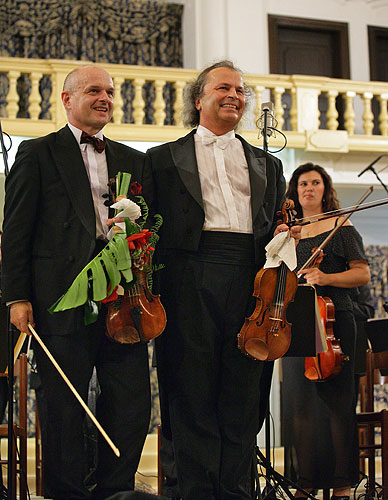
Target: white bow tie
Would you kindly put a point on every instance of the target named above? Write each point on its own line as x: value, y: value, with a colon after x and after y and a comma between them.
x: 221, y: 141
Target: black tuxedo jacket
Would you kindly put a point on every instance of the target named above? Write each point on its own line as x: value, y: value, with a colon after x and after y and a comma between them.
x: 49, y: 223
x: 172, y: 187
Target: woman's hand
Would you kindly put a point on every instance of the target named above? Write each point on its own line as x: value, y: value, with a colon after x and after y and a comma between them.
x: 315, y: 276
x: 357, y: 275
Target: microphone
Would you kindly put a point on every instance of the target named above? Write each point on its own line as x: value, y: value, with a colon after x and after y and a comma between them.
x: 370, y: 167
x: 267, y: 121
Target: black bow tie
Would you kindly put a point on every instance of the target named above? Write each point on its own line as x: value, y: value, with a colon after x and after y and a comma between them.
x: 98, y: 144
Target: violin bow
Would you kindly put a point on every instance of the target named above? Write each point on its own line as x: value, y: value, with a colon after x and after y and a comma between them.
x: 335, y: 229
x: 74, y: 391
x: 339, y: 212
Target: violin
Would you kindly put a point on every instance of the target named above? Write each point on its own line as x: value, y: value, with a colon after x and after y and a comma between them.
x: 136, y: 316
x: 266, y: 334
x: 325, y: 365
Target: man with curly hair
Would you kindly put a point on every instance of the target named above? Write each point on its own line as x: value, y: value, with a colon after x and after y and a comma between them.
x: 218, y: 196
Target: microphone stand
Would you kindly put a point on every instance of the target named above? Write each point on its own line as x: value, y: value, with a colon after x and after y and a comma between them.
x: 378, y: 178
x: 269, y: 491
x: 11, y: 443
x: 270, y: 473
x: 371, y: 167
x: 267, y: 421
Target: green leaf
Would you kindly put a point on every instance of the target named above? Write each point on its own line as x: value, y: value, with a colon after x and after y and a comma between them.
x: 91, y: 312
x: 107, y: 268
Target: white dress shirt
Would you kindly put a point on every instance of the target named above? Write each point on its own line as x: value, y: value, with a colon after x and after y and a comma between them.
x: 224, y: 177
x: 97, y: 170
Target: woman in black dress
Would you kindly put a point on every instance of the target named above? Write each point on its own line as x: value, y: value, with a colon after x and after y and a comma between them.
x: 319, y: 417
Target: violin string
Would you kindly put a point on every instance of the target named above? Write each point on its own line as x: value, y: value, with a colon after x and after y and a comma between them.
x: 279, y: 293
x: 340, y: 210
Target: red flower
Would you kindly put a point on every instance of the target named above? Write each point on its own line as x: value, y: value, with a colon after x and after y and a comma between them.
x: 136, y: 188
x: 138, y: 240
x: 110, y: 298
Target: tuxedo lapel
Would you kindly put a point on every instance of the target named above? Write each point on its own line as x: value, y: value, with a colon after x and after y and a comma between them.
x: 183, y: 155
x: 257, y: 176
x: 116, y: 161
x: 72, y: 169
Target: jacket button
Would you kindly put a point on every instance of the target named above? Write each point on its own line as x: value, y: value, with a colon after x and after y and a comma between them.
x: 189, y: 230
x: 185, y: 210
x: 71, y: 258
x: 182, y: 190
x: 66, y: 225
x: 265, y: 224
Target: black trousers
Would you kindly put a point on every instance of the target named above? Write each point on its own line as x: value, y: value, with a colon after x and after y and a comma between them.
x: 212, y: 389
x: 123, y: 410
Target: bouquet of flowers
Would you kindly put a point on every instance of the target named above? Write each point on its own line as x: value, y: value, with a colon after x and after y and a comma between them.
x: 115, y: 269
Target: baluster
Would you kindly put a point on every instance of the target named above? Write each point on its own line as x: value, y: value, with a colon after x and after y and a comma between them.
x: 258, y: 90
x: 12, y: 97
x: 35, y: 98
x: 294, y: 110
x: 138, y: 101
x: 159, y: 104
x: 349, y: 114
x: 118, y: 112
x: 318, y: 112
x: 53, y: 99
x: 368, y: 115
x: 178, y: 104
x: 279, y: 111
x: 383, y: 116
x: 332, y: 113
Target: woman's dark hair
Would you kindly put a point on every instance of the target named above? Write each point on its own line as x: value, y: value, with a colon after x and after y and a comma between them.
x: 329, y: 200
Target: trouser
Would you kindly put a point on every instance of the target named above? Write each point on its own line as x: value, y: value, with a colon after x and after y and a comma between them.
x: 123, y: 410
x: 213, y: 389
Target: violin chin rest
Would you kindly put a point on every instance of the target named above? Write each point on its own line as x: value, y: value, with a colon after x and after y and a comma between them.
x: 257, y: 349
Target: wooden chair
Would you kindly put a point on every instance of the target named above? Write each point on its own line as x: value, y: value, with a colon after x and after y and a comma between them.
x: 369, y: 420
x: 19, y: 461
x: 38, y: 455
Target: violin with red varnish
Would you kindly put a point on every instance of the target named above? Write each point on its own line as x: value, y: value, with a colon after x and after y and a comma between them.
x: 325, y: 365
x: 266, y: 334
x: 136, y: 316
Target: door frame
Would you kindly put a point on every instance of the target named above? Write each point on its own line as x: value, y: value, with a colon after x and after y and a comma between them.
x: 275, y: 23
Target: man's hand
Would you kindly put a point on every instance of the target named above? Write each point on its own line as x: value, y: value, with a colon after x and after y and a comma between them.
x: 114, y: 220
x: 295, y: 231
x: 20, y: 313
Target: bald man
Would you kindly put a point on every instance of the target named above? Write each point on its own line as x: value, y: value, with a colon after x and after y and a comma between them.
x: 54, y: 224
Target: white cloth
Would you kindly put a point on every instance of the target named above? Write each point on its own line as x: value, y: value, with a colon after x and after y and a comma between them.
x: 97, y: 170
x: 224, y: 176
x: 281, y: 249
